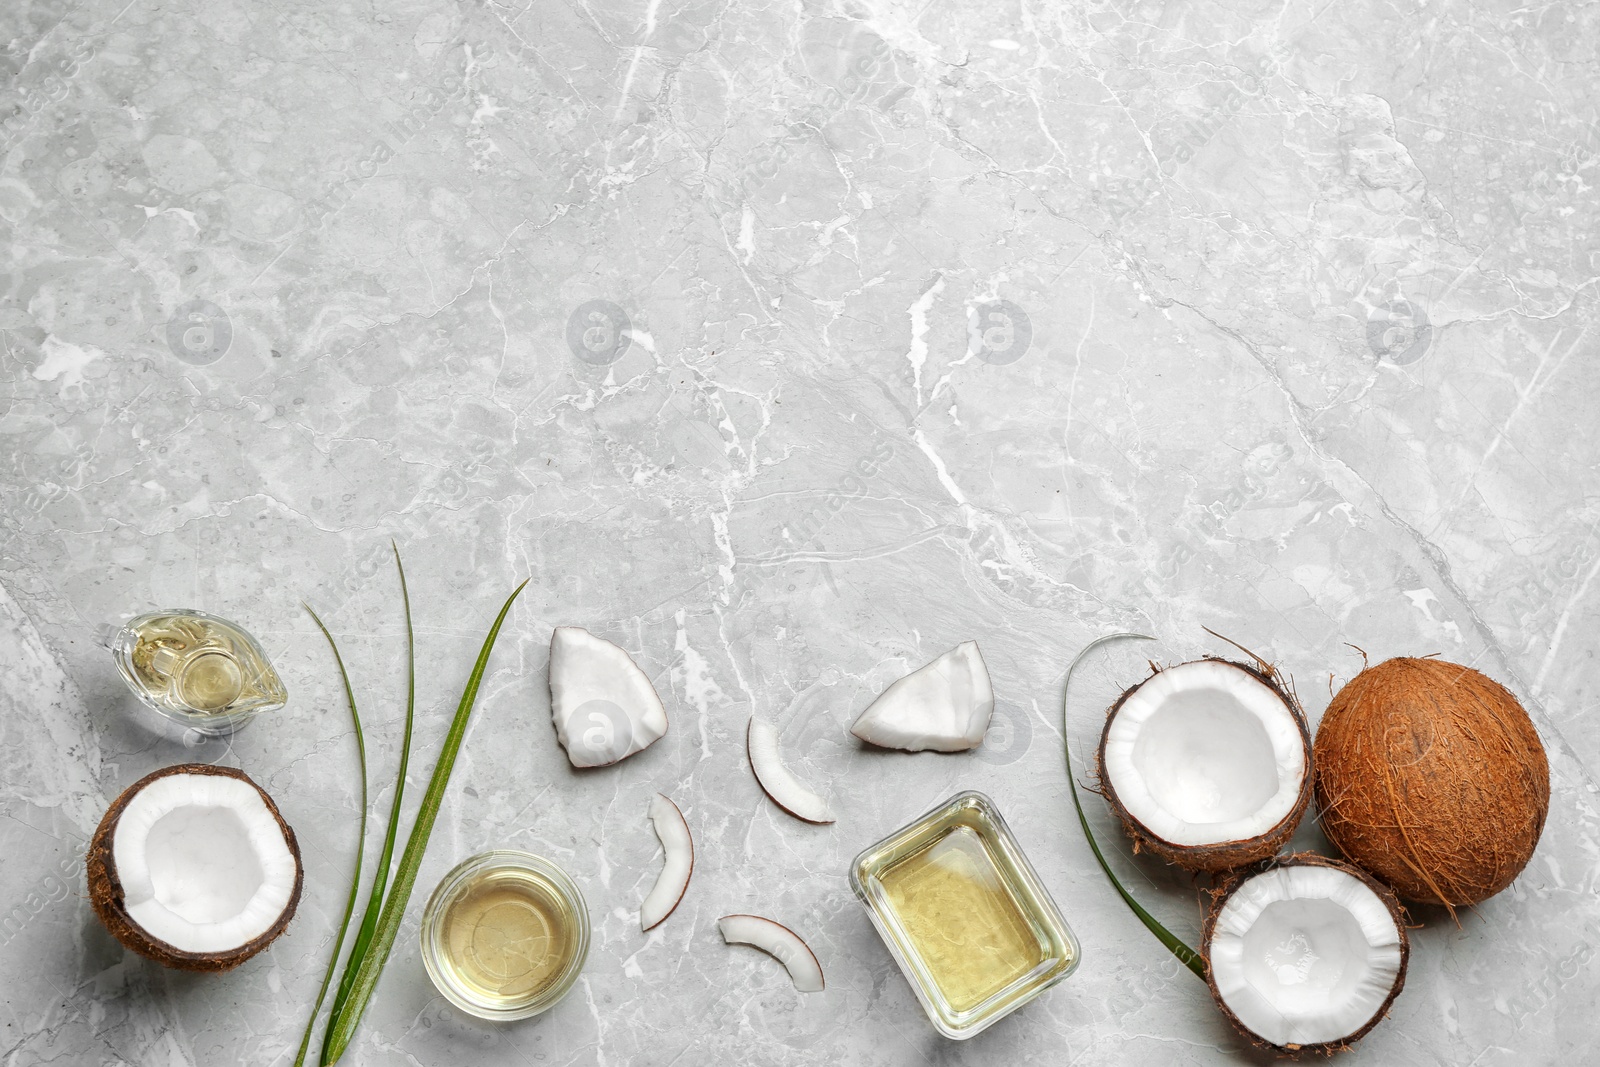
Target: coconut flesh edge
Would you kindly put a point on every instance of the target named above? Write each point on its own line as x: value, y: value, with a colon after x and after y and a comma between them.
x: 1305, y: 955
x: 1205, y: 752
x: 202, y: 862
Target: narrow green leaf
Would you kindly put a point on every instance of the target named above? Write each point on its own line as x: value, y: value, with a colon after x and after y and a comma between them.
x: 380, y: 876
x: 1186, y: 955
x: 342, y: 1026
x: 361, y: 839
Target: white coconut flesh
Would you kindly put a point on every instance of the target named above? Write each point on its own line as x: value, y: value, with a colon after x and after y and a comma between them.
x: 1305, y: 955
x: 202, y: 863
x: 944, y: 705
x: 604, y: 707
x: 787, y: 791
x: 677, y: 847
x: 779, y: 942
x: 1204, y: 753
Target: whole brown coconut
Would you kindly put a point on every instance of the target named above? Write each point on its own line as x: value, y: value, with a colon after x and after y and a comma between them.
x: 106, y: 890
x: 1431, y: 776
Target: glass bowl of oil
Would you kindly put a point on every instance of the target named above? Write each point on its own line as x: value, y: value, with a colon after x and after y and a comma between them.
x: 964, y: 914
x: 505, y: 935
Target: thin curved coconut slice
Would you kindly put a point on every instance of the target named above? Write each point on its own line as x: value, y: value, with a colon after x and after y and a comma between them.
x: 779, y: 942
x: 786, y: 791
x: 194, y: 867
x: 944, y: 705
x: 1306, y: 955
x: 603, y: 705
x: 678, y: 846
x: 1207, y: 764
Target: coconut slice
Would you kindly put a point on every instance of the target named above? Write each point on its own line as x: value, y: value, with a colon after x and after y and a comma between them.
x: 779, y: 942
x: 944, y: 705
x: 194, y: 867
x: 604, y: 707
x: 673, y: 832
x: 786, y: 791
x: 1307, y: 955
x: 1207, y: 764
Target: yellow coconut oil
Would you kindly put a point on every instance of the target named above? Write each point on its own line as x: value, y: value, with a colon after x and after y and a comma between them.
x: 964, y: 913
x: 955, y: 907
x: 196, y: 667
x: 505, y: 935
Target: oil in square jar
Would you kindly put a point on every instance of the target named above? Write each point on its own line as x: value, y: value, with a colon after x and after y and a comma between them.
x: 964, y: 914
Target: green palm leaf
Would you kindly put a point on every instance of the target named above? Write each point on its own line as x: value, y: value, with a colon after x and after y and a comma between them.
x: 1186, y: 955
x: 342, y: 1025
x: 380, y: 877
x: 361, y: 837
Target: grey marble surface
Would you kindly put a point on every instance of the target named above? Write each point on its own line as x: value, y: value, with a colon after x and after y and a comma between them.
x: 786, y: 346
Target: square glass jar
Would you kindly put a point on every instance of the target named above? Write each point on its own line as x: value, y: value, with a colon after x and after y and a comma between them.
x: 964, y: 914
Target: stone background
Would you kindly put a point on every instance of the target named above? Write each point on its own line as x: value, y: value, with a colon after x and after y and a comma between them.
x: 786, y: 346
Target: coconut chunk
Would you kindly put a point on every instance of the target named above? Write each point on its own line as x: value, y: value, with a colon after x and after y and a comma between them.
x: 603, y: 705
x: 1306, y: 955
x: 195, y: 868
x: 1208, y: 764
x: 779, y: 942
x: 786, y: 791
x: 944, y: 705
x: 677, y: 845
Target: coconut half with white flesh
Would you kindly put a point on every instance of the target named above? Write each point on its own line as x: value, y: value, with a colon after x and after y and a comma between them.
x: 1306, y: 955
x: 1207, y: 764
x: 195, y: 868
x: 603, y: 705
x: 944, y: 705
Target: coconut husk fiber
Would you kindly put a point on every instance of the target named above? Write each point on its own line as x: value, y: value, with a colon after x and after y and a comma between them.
x: 1431, y: 776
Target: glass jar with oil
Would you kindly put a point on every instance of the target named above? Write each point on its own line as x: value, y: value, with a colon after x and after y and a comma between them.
x: 505, y: 935
x: 201, y: 670
x: 964, y: 914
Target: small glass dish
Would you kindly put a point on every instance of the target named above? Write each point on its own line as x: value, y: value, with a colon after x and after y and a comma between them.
x: 505, y: 935
x: 195, y: 668
x: 964, y: 914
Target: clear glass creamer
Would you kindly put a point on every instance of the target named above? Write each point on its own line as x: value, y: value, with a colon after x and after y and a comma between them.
x: 195, y: 668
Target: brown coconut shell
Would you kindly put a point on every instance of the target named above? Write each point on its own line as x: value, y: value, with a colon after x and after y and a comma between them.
x: 1431, y: 776
x: 105, y: 890
x: 1225, y: 855
x: 1231, y: 884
